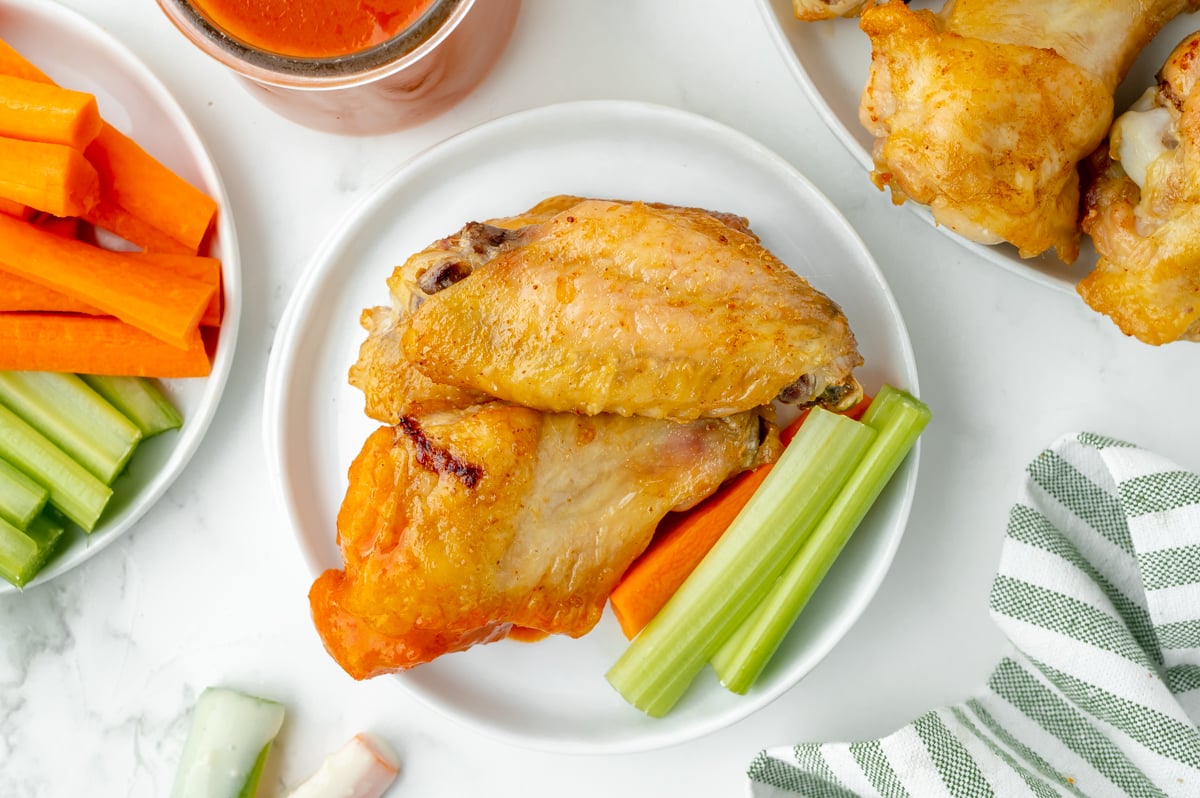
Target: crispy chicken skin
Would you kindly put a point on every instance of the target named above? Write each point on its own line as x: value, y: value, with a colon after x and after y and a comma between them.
x: 813, y: 10
x: 984, y: 110
x: 1142, y: 209
x: 626, y: 308
x: 458, y: 526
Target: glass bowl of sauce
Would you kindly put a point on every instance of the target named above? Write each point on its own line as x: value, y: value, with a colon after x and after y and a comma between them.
x: 357, y: 67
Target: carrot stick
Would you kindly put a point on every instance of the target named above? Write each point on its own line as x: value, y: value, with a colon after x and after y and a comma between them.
x: 13, y: 208
x: 132, y: 178
x: 138, y: 292
x: 48, y: 177
x: 17, y: 293
x: 679, y: 545
x: 94, y: 345
x: 109, y: 216
x: 13, y: 63
x: 198, y: 267
x: 683, y: 538
x: 36, y: 111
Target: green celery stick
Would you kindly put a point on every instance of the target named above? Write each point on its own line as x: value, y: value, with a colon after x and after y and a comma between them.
x: 24, y: 552
x: 661, y: 662
x: 21, y: 499
x: 140, y: 400
x: 73, y: 417
x: 898, y: 419
x: 74, y: 490
x: 227, y: 745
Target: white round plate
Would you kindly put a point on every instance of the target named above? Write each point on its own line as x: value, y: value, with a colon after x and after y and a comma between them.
x: 831, y: 60
x: 552, y: 694
x: 77, y: 54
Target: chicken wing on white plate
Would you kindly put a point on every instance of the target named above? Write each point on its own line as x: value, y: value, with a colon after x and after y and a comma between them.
x: 1142, y: 209
x: 984, y: 110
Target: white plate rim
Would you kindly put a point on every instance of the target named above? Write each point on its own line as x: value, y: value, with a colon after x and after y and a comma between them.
x: 282, y: 362
x: 199, y: 417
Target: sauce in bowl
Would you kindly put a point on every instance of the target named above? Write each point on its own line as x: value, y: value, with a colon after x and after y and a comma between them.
x: 358, y: 67
x: 313, y: 28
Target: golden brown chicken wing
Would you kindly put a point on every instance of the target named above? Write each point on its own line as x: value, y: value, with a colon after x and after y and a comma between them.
x: 1142, y: 209
x: 627, y: 308
x: 984, y: 111
x: 459, y: 525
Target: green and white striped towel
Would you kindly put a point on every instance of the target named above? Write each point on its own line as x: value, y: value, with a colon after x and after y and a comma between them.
x: 1098, y: 591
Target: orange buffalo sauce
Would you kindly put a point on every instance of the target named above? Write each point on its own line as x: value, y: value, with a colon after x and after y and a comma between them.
x: 313, y: 28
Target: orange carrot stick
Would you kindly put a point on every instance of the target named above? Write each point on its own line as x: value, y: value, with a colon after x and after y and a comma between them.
x: 16, y: 209
x: 17, y: 293
x: 13, y: 63
x: 36, y: 111
x: 198, y: 267
x: 134, y: 179
x: 94, y: 345
x: 679, y: 545
x: 683, y: 538
x: 48, y: 177
x: 109, y: 216
x: 149, y: 297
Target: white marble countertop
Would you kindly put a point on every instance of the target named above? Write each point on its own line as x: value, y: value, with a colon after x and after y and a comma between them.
x: 100, y: 667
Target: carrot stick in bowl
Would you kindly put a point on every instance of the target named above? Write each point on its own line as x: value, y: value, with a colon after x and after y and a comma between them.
x: 162, y: 303
x: 94, y: 345
x: 132, y: 178
x: 47, y: 177
x: 37, y: 111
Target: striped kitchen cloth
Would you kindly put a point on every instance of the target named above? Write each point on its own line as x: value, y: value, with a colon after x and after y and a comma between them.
x: 1098, y: 591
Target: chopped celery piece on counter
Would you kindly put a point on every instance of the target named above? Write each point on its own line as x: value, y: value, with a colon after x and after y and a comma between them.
x: 74, y: 490
x: 73, y: 417
x: 362, y: 768
x: 659, y: 665
x: 227, y: 745
x: 898, y: 419
x: 24, y: 552
x: 140, y: 400
x: 21, y: 499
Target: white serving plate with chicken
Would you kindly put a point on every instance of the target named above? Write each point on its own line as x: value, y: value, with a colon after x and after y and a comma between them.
x: 78, y: 54
x: 831, y: 60
x: 552, y: 694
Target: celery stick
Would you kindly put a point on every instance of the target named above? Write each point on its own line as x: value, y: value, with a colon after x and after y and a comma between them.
x: 140, y: 399
x: 659, y: 665
x: 74, y: 490
x: 227, y: 745
x: 73, y: 417
x: 898, y: 419
x: 21, y: 499
x: 24, y: 552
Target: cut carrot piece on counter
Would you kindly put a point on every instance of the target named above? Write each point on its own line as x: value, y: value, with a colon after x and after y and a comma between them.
x: 94, y: 345
x: 37, y: 111
x: 47, y: 177
x: 134, y: 180
x: 138, y: 292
